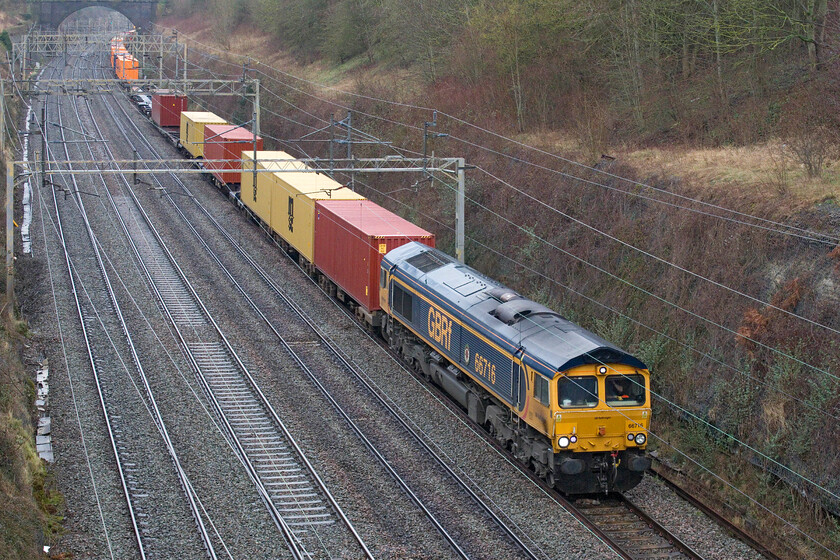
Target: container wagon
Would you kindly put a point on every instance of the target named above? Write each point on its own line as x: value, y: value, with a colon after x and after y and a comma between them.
x: 127, y: 67
x: 351, y: 237
x: 192, y: 130
x: 255, y: 195
x: 227, y: 142
x: 288, y: 199
x: 167, y: 107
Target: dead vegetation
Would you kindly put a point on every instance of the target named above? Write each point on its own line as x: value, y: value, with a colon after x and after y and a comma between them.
x: 729, y: 372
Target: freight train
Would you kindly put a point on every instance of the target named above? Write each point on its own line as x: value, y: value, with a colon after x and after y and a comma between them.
x: 124, y: 64
x: 568, y: 404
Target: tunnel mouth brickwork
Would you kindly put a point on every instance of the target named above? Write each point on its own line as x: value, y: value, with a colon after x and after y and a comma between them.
x: 50, y: 14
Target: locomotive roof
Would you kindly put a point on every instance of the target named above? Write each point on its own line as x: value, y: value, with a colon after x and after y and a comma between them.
x: 545, y: 335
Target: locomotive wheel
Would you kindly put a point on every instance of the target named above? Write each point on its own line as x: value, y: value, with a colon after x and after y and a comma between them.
x: 490, y: 429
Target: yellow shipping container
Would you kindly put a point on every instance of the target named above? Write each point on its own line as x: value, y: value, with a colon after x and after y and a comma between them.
x: 293, y: 196
x: 192, y: 130
x: 259, y: 200
x: 285, y: 200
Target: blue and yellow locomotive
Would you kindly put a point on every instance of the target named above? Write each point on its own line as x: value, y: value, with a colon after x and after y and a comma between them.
x: 567, y: 403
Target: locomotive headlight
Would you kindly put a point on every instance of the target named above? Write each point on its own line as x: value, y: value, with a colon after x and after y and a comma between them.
x: 630, y: 437
x: 641, y: 439
x: 602, y: 370
x: 563, y: 442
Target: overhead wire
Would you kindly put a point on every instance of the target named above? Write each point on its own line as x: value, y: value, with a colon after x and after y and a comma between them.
x: 810, y: 237
x: 217, y: 76
x: 648, y: 254
x: 665, y: 335
x: 806, y: 234
x: 648, y: 292
x: 828, y: 239
x: 696, y: 418
x: 685, y: 270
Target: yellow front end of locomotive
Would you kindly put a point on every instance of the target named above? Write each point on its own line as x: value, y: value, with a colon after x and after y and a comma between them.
x: 601, y: 408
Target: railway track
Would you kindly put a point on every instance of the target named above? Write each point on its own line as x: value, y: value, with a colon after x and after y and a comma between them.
x: 623, y: 527
x: 637, y: 535
x: 303, y: 350
x: 665, y: 473
x: 287, y: 483
x: 107, y: 339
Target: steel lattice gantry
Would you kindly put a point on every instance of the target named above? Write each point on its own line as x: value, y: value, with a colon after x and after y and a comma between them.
x: 149, y: 48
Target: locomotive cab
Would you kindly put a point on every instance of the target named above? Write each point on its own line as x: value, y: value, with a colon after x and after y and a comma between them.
x: 601, y: 420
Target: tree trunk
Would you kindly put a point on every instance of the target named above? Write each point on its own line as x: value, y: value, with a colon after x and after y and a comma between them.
x: 820, y: 36
x: 810, y: 37
x: 516, y: 30
x: 718, y: 62
x: 631, y: 26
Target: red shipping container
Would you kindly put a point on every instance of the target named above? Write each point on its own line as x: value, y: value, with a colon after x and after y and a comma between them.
x: 225, y: 141
x: 351, y: 237
x: 167, y: 107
